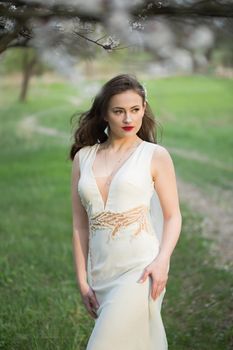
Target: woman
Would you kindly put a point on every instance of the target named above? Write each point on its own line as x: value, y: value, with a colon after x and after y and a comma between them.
x: 121, y: 264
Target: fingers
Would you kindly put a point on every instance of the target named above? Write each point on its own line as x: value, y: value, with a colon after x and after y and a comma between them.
x: 157, y: 285
x: 93, y: 300
x: 89, y: 308
x: 144, y: 276
x: 91, y: 303
x: 157, y: 290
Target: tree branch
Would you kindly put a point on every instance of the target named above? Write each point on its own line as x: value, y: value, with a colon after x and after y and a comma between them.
x: 203, y: 8
x: 108, y: 47
x: 25, y: 11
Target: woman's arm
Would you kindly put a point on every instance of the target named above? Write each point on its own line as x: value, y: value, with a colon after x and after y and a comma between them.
x: 80, y: 227
x: 80, y: 242
x: 163, y: 173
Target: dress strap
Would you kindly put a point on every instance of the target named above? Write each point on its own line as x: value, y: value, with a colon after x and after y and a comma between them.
x: 85, y: 155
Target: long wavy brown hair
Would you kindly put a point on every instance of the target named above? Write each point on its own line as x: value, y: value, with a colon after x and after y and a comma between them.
x: 91, y: 124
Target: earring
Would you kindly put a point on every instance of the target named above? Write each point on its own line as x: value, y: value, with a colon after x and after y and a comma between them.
x: 106, y: 131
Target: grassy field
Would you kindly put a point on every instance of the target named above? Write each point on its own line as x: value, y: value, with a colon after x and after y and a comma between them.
x: 40, y: 303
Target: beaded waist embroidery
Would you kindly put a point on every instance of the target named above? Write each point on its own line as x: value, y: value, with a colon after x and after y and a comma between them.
x: 115, y: 221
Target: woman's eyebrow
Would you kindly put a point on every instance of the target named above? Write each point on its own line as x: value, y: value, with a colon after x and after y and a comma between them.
x: 123, y: 108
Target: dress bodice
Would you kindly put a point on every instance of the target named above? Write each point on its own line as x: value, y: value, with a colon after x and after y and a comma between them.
x: 131, y: 186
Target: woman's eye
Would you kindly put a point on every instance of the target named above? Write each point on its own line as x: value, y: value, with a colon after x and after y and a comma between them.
x: 118, y: 112
x: 135, y: 110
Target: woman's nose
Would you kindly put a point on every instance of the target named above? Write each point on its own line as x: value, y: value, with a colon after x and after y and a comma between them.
x: 128, y: 118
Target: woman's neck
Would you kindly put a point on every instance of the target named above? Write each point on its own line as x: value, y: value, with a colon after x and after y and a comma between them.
x: 122, y: 143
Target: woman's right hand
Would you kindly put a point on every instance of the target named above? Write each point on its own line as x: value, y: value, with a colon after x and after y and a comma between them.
x: 89, y: 299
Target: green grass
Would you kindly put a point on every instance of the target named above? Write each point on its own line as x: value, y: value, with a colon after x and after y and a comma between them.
x: 196, y: 114
x: 40, y: 304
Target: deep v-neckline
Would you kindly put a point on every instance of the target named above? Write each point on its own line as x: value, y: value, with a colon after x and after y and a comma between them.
x: 105, y: 204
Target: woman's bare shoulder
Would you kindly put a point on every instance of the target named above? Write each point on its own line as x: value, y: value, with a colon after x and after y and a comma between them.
x: 161, y: 151
x: 81, y: 152
x: 161, y: 160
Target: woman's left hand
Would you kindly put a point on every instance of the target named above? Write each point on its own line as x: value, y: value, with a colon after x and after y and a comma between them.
x: 158, y: 271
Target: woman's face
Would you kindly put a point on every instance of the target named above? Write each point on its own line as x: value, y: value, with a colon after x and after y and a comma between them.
x: 124, y: 114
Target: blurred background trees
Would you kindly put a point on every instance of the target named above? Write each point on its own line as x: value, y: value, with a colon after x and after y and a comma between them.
x: 171, y: 36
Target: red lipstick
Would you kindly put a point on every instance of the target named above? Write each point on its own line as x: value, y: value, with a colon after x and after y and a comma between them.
x: 128, y: 128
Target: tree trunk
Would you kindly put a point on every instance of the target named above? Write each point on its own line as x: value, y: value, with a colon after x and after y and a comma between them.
x: 28, y: 65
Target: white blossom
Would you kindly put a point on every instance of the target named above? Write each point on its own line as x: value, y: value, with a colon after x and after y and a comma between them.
x: 201, y: 38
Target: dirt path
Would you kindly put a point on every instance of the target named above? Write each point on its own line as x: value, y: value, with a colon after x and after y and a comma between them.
x: 193, y: 155
x: 217, y: 221
x: 29, y: 125
x: 217, y: 217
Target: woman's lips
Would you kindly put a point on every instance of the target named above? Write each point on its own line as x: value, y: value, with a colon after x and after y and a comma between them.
x: 127, y: 128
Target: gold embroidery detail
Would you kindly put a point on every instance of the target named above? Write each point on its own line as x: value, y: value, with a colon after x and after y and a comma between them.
x: 115, y: 221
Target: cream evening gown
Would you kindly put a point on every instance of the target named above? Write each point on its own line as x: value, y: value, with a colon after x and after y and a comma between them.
x: 124, y: 237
